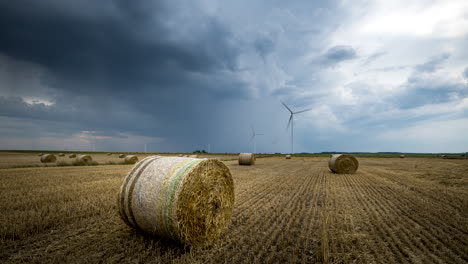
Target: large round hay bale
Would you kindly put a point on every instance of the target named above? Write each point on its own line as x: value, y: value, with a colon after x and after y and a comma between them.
x: 343, y: 163
x: 131, y: 159
x: 72, y: 156
x: 61, y: 154
x: 180, y: 155
x: 84, y: 159
x: 122, y: 156
x: 184, y: 199
x: 402, y: 156
x: 288, y: 156
x: 246, y: 159
x: 47, y: 158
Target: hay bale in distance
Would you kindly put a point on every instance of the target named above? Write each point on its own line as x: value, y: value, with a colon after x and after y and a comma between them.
x: 343, y: 163
x: 109, y: 154
x: 246, y: 159
x: 48, y: 158
x: 193, y: 156
x: 122, y: 156
x: 184, y: 199
x: 72, y: 156
x: 180, y: 155
x: 61, y: 154
x: 131, y: 159
x: 288, y: 156
x: 402, y: 156
x: 84, y: 159
x: 40, y: 154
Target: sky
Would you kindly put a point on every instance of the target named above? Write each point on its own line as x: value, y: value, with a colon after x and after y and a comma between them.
x: 182, y: 75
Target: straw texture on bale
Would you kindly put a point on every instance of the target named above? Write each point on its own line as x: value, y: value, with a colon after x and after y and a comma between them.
x: 122, y: 156
x: 61, y: 155
x: 343, y: 163
x: 402, y: 156
x: 288, y: 156
x: 246, y: 159
x: 72, y: 156
x: 131, y: 159
x: 47, y: 158
x: 184, y: 199
x: 84, y: 158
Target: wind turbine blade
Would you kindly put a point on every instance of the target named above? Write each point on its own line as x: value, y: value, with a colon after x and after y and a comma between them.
x: 303, y: 111
x: 287, y: 107
x: 289, y: 123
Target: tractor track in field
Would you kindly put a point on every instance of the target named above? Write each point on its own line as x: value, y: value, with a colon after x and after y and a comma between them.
x: 293, y: 211
x: 396, y: 211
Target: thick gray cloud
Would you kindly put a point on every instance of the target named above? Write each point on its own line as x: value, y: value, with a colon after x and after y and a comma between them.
x: 178, y: 75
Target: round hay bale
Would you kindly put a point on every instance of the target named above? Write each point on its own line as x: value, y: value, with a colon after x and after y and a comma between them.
x: 122, y: 156
x: 84, y: 158
x: 109, y: 154
x: 443, y: 156
x: 61, y: 155
x: 246, y: 159
x: 131, y: 159
x: 180, y: 155
x: 193, y: 156
x: 48, y: 158
x: 288, y: 156
x: 72, y: 156
x: 186, y: 156
x: 187, y: 200
x: 40, y: 154
x: 402, y: 156
x: 343, y: 163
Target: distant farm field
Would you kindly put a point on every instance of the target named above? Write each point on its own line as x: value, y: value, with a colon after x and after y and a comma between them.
x: 412, y: 210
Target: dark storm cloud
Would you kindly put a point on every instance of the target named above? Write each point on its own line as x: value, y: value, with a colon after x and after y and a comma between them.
x: 147, y: 68
x: 337, y: 54
x: 132, y: 46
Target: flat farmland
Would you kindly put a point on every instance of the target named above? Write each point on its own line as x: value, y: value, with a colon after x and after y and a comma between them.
x: 412, y: 210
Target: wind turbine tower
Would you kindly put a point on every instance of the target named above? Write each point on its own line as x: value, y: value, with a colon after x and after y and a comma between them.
x: 254, y: 138
x: 291, y: 122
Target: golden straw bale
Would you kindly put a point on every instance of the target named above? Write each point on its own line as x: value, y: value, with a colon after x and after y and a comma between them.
x: 131, y: 159
x: 183, y: 199
x: 48, y: 158
x: 84, y: 159
x: 246, y: 159
x: 343, y: 163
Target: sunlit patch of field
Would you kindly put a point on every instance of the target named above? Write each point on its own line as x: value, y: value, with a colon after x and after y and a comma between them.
x: 391, y: 211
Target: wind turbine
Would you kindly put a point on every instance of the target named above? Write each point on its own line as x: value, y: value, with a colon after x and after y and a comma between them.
x: 254, y: 136
x: 291, y: 122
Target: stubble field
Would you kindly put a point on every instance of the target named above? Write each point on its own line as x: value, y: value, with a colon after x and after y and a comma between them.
x: 412, y: 210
